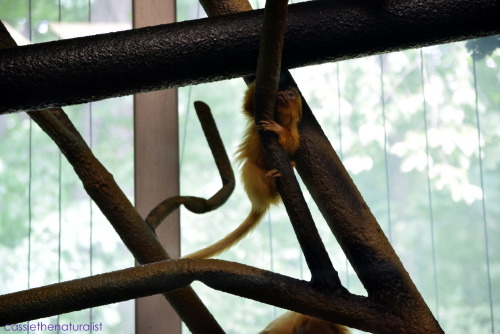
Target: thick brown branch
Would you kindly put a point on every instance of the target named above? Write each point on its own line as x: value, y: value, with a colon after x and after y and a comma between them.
x: 357, y: 231
x: 131, y: 228
x: 234, y: 278
x: 223, y: 47
x: 198, y: 204
x: 113, y: 203
x: 266, y: 85
x: 224, y: 7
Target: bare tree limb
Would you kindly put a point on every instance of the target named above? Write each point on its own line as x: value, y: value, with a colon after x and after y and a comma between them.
x: 230, y: 277
x: 224, y: 7
x: 92, y: 68
x: 359, y: 234
x: 198, y: 204
x: 371, y: 255
x: 114, y: 204
x: 266, y: 85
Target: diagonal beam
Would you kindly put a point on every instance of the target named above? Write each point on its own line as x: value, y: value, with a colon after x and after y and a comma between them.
x: 92, y: 68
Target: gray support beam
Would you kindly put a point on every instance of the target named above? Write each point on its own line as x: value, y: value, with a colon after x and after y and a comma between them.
x: 92, y: 68
x: 156, y: 169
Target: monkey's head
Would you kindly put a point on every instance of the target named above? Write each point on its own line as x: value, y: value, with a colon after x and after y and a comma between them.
x: 289, y: 103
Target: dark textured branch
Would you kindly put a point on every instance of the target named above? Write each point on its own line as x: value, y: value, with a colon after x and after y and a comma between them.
x: 198, y: 204
x: 91, y: 68
x: 234, y: 278
x: 224, y: 7
x: 108, y: 196
x: 394, y: 286
x: 358, y: 232
x: 131, y: 228
x: 266, y: 85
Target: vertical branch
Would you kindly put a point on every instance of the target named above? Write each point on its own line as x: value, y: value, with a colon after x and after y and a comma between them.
x: 266, y: 85
x: 353, y: 224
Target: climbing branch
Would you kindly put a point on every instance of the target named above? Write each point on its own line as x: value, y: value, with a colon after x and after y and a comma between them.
x: 198, y: 204
x: 266, y: 85
x: 152, y: 58
x: 114, y: 204
x: 241, y: 280
x: 358, y: 232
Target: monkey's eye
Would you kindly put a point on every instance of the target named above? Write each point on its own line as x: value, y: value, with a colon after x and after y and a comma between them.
x: 291, y: 94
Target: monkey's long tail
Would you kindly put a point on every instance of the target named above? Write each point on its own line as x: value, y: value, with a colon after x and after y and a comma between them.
x: 231, y: 239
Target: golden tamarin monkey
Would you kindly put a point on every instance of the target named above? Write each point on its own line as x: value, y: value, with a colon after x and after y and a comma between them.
x: 256, y: 173
x: 296, y: 323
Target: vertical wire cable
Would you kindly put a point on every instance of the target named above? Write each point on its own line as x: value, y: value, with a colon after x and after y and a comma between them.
x: 429, y: 191
x: 270, y: 234
x: 91, y: 218
x: 483, y: 202
x: 339, y: 127
x: 59, y: 201
x: 188, y: 109
x: 30, y: 203
x: 59, y: 221
x: 271, y: 249
x: 186, y: 121
x: 59, y: 8
x: 382, y: 98
x: 341, y: 152
x: 91, y: 212
x: 30, y: 164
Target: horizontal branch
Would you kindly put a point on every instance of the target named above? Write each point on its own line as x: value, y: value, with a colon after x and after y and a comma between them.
x: 122, y: 63
x: 234, y: 278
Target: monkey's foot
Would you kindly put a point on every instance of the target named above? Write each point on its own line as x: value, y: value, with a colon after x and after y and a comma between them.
x: 273, y: 173
x: 270, y: 126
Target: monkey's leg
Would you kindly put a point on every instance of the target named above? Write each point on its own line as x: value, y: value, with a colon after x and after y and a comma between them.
x: 260, y: 188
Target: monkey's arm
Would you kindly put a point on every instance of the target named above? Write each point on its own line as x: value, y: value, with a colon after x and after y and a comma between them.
x: 285, y: 137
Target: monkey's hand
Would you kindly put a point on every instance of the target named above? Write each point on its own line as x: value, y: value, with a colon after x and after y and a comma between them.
x: 271, y: 126
x: 273, y: 173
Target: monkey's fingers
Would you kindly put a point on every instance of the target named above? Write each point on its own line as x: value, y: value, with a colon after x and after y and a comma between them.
x: 273, y: 173
x: 270, y: 126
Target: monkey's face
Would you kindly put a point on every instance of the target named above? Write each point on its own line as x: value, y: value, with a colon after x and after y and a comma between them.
x: 286, y: 97
x: 289, y: 104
